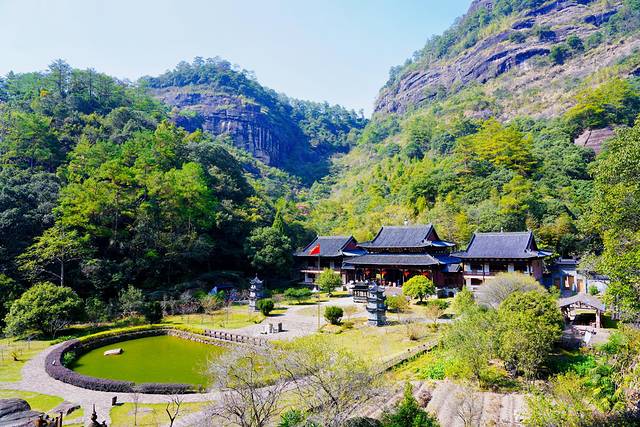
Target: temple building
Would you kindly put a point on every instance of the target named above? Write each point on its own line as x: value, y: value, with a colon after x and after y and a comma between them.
x: 491, y: 253
x: 398, y: 253
x: 326, y: 252
x: 566, y: 275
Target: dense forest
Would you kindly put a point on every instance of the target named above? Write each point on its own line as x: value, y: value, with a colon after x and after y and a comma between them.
x: 99, y: 190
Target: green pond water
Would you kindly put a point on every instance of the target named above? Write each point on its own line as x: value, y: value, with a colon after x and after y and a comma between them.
x: 158, y: 359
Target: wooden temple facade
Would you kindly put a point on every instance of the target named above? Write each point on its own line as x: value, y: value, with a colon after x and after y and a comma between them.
x: 398, y: 253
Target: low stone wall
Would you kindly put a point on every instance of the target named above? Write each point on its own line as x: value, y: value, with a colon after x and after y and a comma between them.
x: 55, y: 368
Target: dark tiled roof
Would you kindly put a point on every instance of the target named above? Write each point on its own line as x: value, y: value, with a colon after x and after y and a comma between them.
x: 392, y: 260
x: 508, y: 245
x: 585, y: 299
x: 330, y: 246
x: 413, y: 236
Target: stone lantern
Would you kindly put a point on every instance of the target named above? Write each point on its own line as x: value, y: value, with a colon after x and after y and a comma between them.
x: 255, y: 292
x: 376, y: 305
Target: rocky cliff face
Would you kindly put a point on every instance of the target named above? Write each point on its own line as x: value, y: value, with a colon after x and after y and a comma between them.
x: 269, y: 139
x: 514, y: 48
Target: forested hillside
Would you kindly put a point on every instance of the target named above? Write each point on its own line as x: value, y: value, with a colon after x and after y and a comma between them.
x: 298, y: 136
x: 99, y: 190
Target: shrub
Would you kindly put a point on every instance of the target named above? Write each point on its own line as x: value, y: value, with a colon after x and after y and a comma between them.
x: 297, y: 294
x: 291, y: 418
x: 328, y: 281
x: 559, y: 54
x: 397, y: 303
x: 265, y: 306
x: 440, y: 303
x: 463, y: 301
x: 433, y: 371
x: 491, y: 294
x: 575, y: 43
x: 593, y: 290
x: 68, y: 358
x: 153, y: 312
x: 333, y: 314
x: 408, y: 413
x: 130, y: 301
x: 517, y: 37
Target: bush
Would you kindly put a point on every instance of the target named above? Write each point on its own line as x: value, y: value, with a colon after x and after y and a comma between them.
x: 593, y: 290
x: 517, y: 37
x: 68, y: 358
x: 559, y: 54
x: 265, y: 306
x: 408, y: 413
x: 463, y: 301
x: 328, y: 281
x: 297, y: 294
x: 397, y: 303
x: 440, y: 303
x: 153, y: 312
x: 333, y: 314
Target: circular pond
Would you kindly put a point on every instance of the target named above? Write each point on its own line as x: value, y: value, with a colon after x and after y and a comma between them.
x: 155, y: 359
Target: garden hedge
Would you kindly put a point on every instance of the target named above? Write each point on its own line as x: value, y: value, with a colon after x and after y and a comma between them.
x: 55, y: 368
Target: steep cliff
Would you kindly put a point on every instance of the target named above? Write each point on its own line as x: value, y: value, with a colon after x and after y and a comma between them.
x: 529, y: 55
x: 298, y: 136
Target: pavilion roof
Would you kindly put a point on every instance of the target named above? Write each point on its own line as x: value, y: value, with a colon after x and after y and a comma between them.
x: 327, y: 246
x: 584, y: 299
x: 406, y: 236
x: 502, y: 245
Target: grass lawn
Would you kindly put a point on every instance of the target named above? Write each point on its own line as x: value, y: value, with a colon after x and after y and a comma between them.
x: 38, y: 402
x: 238, y: 316
x: 10, y: 370
x: 149, y: 414
x: 373, y: 343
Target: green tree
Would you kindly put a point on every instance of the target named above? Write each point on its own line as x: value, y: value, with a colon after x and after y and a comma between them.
x: 407, y: 413
x: 418, y: 287
x: 328, y: 280
x: 614, y: 102
x: 45, y: 308
x: 152, y: 312
x: 269, y: 251
x: 463, y: 301
x: 52, y: 252
x: 614, y: 216
x: 131, y: 301
x: 530, y: 325
x: 471, y: 343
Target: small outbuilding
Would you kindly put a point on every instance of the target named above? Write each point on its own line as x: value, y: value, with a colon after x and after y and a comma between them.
x: 583, y: 302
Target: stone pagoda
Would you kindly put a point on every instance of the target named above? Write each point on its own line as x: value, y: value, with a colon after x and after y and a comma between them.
x: 376, y: 305
x: 255, y: 292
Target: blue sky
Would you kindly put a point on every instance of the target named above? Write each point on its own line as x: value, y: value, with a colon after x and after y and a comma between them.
x: 334, y: 50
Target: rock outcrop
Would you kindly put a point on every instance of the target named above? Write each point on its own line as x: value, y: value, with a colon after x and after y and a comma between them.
x: 17, y: 413
x: 511, y: 49
x: 265, y: 136
x: 594, y: 138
